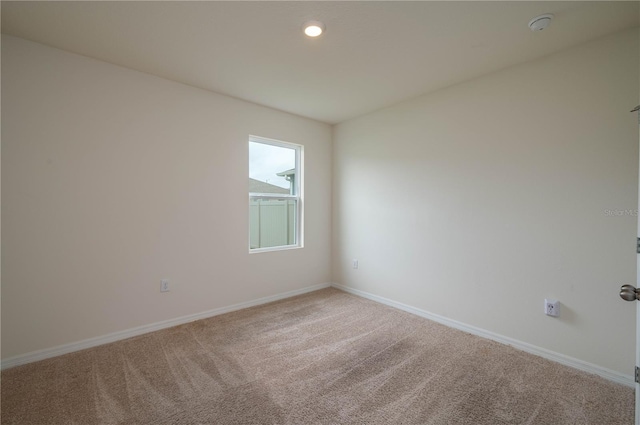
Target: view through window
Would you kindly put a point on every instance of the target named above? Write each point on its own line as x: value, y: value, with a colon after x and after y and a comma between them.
x: 274, y: 194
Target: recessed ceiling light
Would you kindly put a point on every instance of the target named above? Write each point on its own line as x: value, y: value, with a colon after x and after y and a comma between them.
x: 313, y: 28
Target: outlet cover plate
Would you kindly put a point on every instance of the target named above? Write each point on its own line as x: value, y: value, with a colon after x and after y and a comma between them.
x: 551, y: 307
x: 164, y: 285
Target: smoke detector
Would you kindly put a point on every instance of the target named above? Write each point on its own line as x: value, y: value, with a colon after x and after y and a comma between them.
x: 540, y: 22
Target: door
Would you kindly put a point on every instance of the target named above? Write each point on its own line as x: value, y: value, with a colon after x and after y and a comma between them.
x: 636, y: 110
x: 630, y: 293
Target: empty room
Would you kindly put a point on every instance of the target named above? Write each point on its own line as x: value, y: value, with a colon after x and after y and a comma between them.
x: 319, y: 212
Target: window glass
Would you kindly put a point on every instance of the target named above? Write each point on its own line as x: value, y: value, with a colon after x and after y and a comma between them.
x: 271, y: 169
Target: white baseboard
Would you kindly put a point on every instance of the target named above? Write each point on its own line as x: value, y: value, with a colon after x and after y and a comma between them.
x: 609, y: 374
x: 35, y: 356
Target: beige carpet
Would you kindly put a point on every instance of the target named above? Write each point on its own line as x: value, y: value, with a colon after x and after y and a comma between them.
x: 321, y: 358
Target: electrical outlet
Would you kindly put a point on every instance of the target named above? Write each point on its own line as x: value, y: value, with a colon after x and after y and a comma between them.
x: 355, y: 264
x: 552, y: 307
x: 164, y: 285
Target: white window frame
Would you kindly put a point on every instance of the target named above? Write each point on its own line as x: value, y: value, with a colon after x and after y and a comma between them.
x: 298, y: 197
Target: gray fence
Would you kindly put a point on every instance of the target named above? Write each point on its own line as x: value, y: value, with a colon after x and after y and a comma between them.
x: 273, y: 222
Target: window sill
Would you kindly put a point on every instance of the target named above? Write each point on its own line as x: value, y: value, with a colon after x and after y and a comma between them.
x: 275, y: 248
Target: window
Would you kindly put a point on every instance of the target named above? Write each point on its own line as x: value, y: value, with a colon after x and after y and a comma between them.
x: 275, y: 186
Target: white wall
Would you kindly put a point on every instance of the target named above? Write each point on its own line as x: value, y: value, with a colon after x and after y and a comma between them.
x: 114, y: 179
x: 478, y: 201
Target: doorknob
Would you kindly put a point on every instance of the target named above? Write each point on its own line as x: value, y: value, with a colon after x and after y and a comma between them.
x: 629, y: 293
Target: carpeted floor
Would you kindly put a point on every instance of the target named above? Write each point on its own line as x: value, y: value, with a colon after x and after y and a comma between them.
x: 322, y: 358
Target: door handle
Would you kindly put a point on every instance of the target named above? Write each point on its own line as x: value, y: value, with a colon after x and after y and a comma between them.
x: 629, y: 293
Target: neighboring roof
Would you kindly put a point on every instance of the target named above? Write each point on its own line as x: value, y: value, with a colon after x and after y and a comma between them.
x: 286, y: 173
x: 257, y: 186
x: 291, y: 172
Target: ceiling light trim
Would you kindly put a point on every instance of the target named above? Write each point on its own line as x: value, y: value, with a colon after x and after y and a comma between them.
x: 313, y: 28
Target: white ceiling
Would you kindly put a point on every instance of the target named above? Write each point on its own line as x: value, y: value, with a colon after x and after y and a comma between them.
x: 373, y: 54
